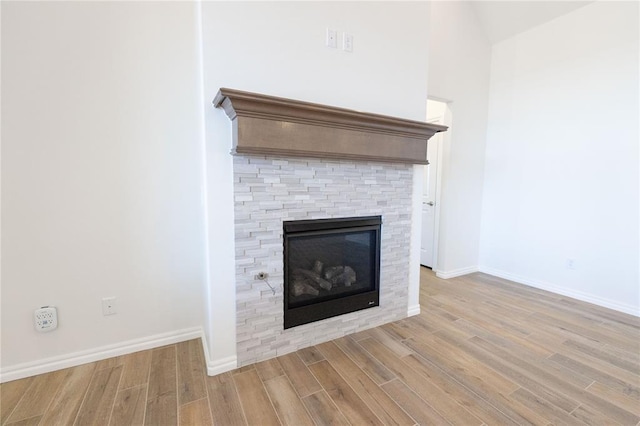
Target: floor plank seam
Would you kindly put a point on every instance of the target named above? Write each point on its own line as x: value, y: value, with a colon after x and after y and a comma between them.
x: 131, y: 387
x: 562, y: 393
x: 115, y: 396
x: 146, y: 394
x: 453, y: 379
x: 574, y: 410
x: 235, y: 389
x: 349, y: 385
x: 18, y: 403
x: 206, y: 389
x: 146, y: 398
x: 296, y: 391
x: 400, y: 406
x: 58, y: 390
x: 271, y: 400
x: 177, y: 370
x: 442, y: 414
x: 84, y: 397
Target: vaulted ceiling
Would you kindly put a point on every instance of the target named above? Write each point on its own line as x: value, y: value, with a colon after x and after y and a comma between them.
x: 503, y: 19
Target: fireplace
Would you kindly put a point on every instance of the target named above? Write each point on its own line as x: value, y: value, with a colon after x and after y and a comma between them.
x: 296, y: 163
x: 271, y: 191
x: 331, y: 267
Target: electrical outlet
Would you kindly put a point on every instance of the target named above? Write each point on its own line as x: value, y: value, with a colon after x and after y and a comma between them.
x: 45, y: 318
x: 109, y: 306
x: 332, y: 38
x: 571, y: 264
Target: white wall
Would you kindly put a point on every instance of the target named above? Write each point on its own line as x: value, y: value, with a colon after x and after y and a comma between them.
x: 101, y: 177
x: 277, y: 48
x: 459, y: 62
x: 562, y: 163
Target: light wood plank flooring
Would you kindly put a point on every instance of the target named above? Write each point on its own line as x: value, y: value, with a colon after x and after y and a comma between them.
x: 483, y: 351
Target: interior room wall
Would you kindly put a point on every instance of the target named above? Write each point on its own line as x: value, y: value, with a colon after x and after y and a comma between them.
x: 259, y: 47
x: 459, y: 63
x: 101, y: 179
x: 561, y: 184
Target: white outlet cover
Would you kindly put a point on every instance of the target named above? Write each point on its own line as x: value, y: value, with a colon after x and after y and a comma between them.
x: 332, y: 38
x: 109, y: 306
x: 45, y: 319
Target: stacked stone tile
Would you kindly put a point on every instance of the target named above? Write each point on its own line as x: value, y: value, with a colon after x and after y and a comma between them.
x: 268, y: 191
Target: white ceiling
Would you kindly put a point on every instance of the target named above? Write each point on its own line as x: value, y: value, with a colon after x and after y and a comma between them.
x: 503, y: 19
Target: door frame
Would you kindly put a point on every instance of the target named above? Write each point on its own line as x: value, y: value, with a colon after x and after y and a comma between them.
x: 444, y: 139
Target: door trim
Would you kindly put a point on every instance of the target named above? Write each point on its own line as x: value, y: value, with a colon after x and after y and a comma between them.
x: 443, y: 139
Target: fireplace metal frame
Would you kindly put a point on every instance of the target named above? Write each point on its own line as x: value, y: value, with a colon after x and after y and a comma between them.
x: 343, y: 305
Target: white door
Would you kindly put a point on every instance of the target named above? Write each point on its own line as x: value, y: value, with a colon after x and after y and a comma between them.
x: 436, y: 112
x: 429, y: 200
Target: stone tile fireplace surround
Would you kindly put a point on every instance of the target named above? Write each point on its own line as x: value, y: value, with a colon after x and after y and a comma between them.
x: 270, y: 190
x: 296, y: 161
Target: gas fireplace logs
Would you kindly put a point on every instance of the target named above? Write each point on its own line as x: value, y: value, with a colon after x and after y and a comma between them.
x: 321, y: 278
x: 340, y: 275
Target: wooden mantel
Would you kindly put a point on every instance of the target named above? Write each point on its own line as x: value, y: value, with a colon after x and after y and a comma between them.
x: 268, y: 125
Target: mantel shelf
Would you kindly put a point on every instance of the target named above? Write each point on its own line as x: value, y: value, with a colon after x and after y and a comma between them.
x: 268, y: 125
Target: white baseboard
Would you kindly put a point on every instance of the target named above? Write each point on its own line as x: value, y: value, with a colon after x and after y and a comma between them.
x: 47, y: 365
x: 222, y: 365
x: 445, y: 275
x: 585, y: 297
x: 217, y: 366
x: 413, y: 310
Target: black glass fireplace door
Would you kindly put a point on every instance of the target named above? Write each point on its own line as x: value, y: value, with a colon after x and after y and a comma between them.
x: 332, y: 267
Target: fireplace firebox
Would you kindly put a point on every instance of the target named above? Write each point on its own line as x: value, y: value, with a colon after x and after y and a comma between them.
x: 331, y: 267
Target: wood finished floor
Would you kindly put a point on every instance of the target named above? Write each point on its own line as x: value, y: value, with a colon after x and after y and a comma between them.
x: 483, y: 351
